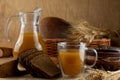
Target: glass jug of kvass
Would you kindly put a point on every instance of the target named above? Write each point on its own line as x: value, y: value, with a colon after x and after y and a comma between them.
x: 29, y: 36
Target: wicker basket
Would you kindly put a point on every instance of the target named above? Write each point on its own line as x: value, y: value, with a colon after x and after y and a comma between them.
x: 52, y: 45
x: 100, y: 42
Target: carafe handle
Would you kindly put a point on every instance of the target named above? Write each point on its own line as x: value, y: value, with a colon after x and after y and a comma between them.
x: 7, y: 27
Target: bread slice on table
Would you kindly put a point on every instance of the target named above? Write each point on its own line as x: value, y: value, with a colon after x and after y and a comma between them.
x: 38, y: 64
x: 25, y: 54
x: 43, y: 64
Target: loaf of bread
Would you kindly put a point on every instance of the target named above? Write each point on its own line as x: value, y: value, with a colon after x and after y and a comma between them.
x: 54, y: 27
x: 38, y: 64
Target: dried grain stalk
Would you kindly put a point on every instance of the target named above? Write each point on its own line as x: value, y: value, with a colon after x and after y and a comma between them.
x: 84, y: 32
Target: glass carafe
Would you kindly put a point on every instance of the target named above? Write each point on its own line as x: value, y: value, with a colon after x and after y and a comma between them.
x: 29, y: 36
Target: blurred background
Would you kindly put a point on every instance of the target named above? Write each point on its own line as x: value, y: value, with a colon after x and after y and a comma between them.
x: 99, y: 13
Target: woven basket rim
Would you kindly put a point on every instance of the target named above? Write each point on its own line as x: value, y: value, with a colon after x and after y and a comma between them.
x: 58, y: 39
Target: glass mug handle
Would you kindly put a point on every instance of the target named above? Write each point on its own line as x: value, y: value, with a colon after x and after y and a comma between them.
x: 96, y: 58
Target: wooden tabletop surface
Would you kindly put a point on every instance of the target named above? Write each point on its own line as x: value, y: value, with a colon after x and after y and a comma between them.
x: 89, y: 74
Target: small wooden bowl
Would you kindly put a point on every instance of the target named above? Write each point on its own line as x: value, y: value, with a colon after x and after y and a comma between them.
x: 108, y: 59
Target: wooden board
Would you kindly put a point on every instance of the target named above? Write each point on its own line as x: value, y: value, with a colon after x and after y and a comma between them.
x: 8, y: 67
x: 90, y: 74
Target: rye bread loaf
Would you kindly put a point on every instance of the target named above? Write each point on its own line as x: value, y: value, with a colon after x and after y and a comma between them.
x: 38, y: 64
x: 54, y: 27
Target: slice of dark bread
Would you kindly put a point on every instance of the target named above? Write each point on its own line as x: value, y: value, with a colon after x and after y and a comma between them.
x: 28, y: 63
x: 43, y: 64
x: 30, y: 57
x: 25, y: 54
x: 38, y: 64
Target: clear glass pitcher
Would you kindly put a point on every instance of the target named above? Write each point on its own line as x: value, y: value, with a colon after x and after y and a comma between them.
x: 29, y: 36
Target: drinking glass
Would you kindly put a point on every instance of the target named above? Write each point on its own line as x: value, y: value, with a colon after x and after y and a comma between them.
x: 72, y: 57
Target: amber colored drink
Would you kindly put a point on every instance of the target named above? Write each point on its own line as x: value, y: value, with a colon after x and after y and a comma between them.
x: 28, y: 42
x: 71, y: 62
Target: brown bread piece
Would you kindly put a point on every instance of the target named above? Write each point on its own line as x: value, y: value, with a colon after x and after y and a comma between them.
x: 38, y: 64
x: 54, y: 27
x: 30, y: 57
x: 25, y: 54
x: 8, y: 67
x: 28, y: 63
x: 43, y: 64
x: 25, y: 57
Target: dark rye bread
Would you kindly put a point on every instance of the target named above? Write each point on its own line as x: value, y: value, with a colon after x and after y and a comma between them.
x: 28, y: 63
x: 25, y: 54
x: 54, y: 27
x: 35, y: 63
x: 30, y: 57
x: 43, y: 64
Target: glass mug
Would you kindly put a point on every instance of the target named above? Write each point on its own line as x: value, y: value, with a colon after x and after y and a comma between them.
x: 72, y: 57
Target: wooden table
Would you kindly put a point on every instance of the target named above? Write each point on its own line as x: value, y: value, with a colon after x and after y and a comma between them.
x: 89, y: 74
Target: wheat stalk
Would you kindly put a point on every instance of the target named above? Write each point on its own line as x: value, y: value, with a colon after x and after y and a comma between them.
x: 84, y: 32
